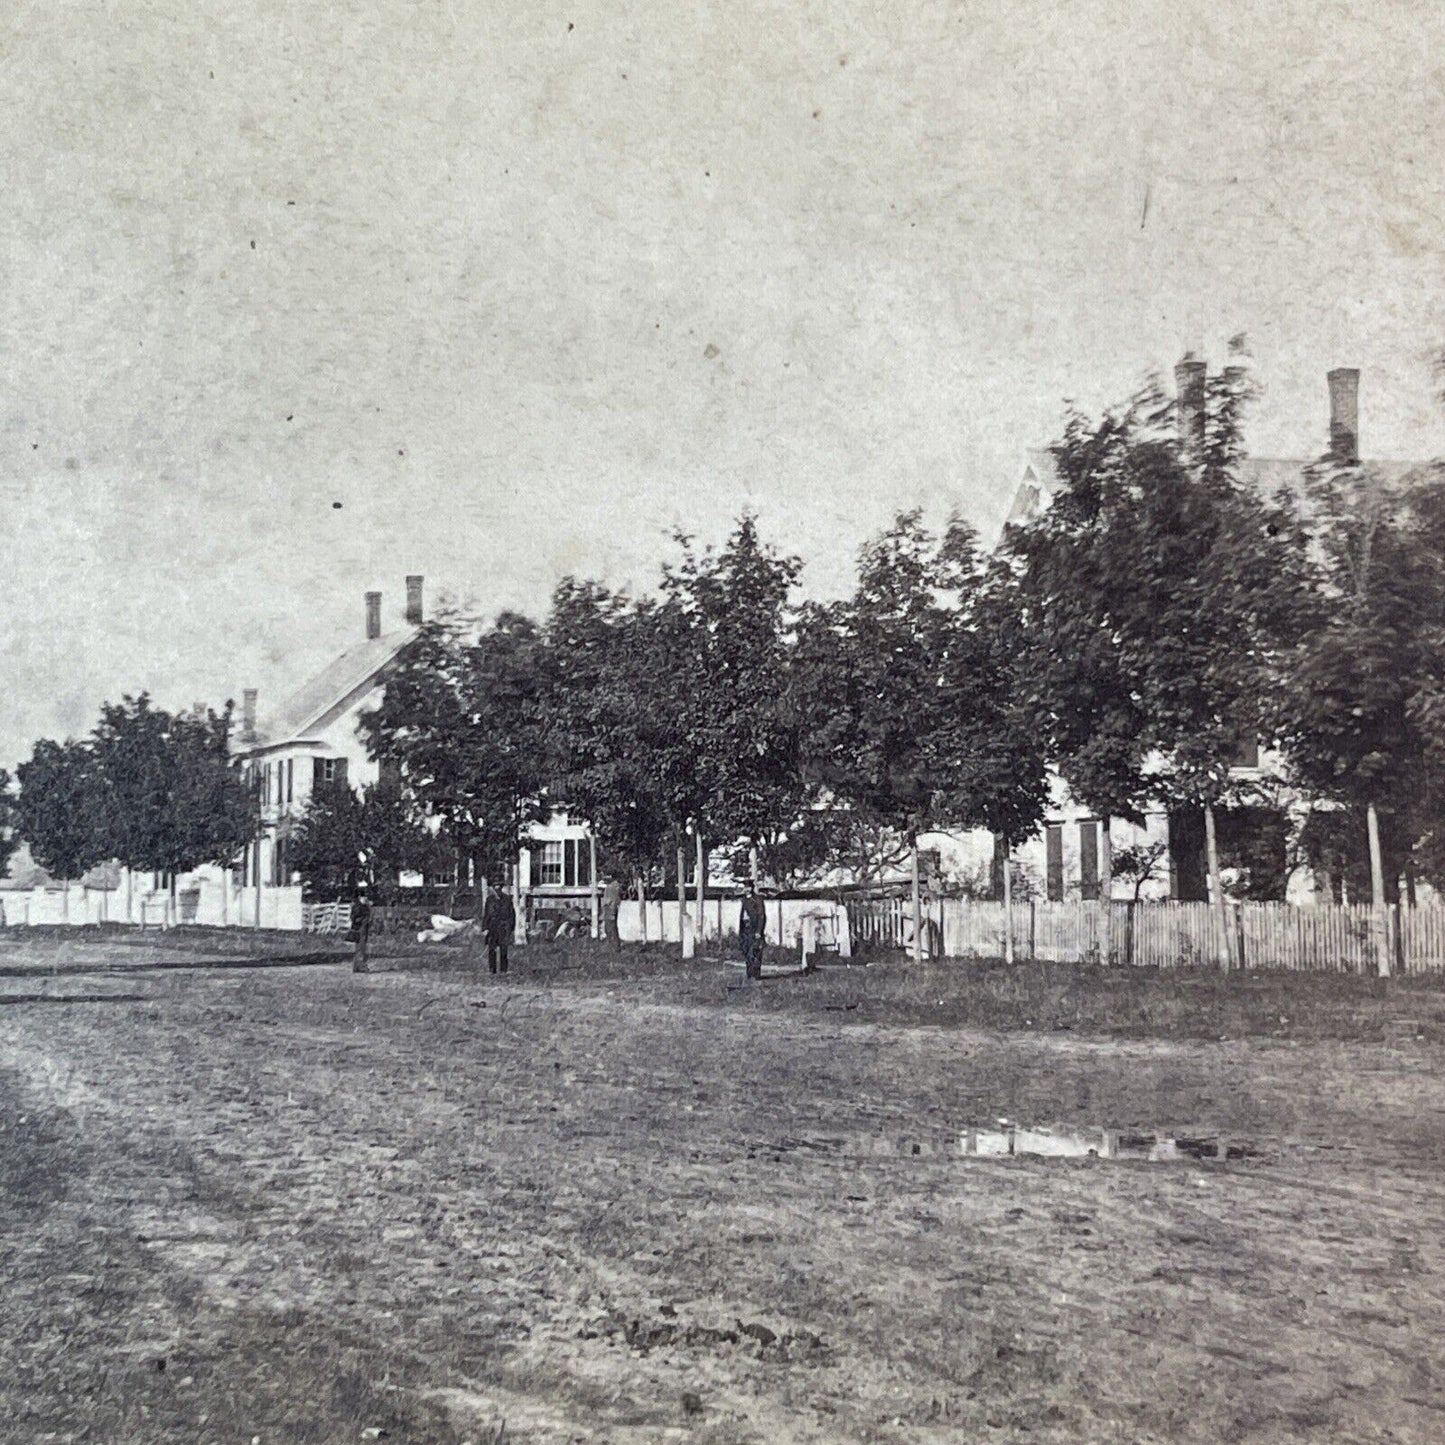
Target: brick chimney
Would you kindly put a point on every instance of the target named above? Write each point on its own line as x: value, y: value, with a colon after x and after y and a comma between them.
x: 1344, y: 384
x: 248, y: 715
x: 373, y: 616
x: 413, y: 601
x: 1189, y: 383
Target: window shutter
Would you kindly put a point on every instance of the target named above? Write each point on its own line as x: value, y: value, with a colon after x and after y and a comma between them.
x: 1089, y: 859
x: 318, y: 774
x: 569, y: 863
x: 1054, y: 846
x: 584, y: 864
x: 290, y: 779
x: 341, y: 771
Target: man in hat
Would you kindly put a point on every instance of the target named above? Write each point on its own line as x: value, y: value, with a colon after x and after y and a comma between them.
x: 752, y: 926
x: 611, y: 907
x: 499, y: 921
x: 361, y: 927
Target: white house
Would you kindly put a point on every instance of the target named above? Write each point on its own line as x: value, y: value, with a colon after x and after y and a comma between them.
x: 1063, y: 861
x: 313, y: 738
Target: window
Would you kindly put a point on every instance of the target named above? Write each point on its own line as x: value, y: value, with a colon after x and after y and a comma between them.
x: 1089, y: 859
x: 1054, y: 852
x: 550, y: 859
x: 325, y: 771
x: 1248, y: 754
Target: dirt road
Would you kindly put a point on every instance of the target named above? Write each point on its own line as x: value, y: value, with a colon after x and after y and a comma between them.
x: 303, y: 1205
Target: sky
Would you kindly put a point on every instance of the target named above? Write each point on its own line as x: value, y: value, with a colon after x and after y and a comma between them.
x: 299, y: 298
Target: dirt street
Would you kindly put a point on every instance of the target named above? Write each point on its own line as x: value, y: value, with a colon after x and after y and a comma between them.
x: 297, y: 1204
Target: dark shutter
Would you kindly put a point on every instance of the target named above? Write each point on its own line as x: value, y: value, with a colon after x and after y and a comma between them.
x: 569, y: 863
x: 341, y: 771
x: 1054, y: 848
x: 318, y: 774
x: 1089, y: 859
x: 290, y: 780
x: 995, y: 880
x: 584, y: 864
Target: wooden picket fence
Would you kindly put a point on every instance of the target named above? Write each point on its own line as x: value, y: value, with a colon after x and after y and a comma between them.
x: 326, y: 917
x: 1305, y: 938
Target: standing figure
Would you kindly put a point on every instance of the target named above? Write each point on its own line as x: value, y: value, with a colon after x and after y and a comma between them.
x: 611, y: 906
x: 499, y: 921
x: 361, y: 927
x: 751, y: 928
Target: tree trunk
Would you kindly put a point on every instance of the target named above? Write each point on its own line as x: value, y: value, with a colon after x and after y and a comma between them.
x: 1216, y: 885
x: 1008, y: 905
x: 519, y: 926
x: 592, y: 873
x: 701, y: 882
x: 681, y: 893
x: 753, y: 863
x: 642, y: 908
x: 917, y: 904
x: 1380, y: 921
x: 1106, y: 892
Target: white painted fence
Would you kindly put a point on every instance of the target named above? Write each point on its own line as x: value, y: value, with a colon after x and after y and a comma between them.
x: 210, y: 903
x: 1312, y: 937
x: 787, y: 920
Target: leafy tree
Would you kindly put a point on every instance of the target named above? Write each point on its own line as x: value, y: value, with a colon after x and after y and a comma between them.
x: 606, y: 680
x: 463, y: 718
x: 911, y: 714
x: 1157, y: 593
x: 1361, y: 706
x: 60, y: 808
x: 345, y: 837
x: 723, y: 734
x: 169, y: 798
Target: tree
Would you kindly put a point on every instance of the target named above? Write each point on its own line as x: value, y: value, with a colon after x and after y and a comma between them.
x: 345, y: 837
x: 910, y: 711
x: 1158, y: 593
x: 169, y: 797
x: 60, y: 808
x: 1361, y: 706
x: 463, y: 720
x: 606, y: 681
x: 730, y: 753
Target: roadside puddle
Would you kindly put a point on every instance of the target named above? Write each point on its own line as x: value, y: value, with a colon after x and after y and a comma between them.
x: 1061, y: 1143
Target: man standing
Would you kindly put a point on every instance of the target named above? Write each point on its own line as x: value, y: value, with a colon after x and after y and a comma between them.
x: 499, y: 920
x: 361, y: 927
x: 611, y: 906
x: 751, y: 928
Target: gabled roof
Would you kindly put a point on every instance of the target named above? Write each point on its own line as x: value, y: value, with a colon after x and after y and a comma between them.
x: 313, y: 706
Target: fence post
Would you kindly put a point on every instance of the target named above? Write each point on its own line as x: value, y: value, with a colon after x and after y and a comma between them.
x: 1378, y: 923
x: 1008, y: 909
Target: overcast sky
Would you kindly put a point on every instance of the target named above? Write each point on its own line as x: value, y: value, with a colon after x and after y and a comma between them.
x: 523, y: 286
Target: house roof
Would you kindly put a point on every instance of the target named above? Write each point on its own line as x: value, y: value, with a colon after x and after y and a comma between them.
x: 312, y: 706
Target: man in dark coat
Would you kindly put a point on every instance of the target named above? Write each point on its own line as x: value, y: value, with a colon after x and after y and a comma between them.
x: 499, y: 921
x: 751, y: 927
x: 361, y: 929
